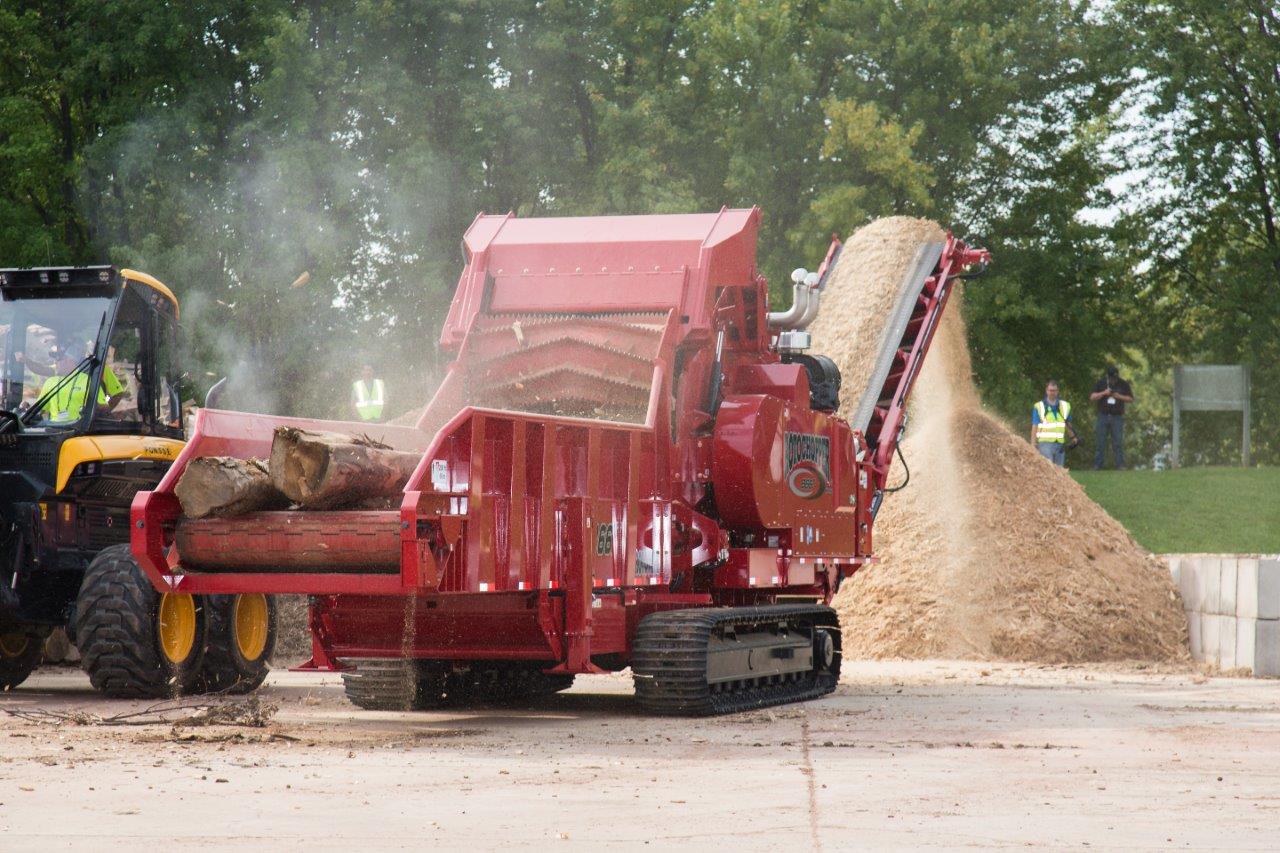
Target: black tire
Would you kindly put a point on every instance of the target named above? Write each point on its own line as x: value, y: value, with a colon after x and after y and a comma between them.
x: 20, y: 654
x: 226, y: 669
x: 118, y: 633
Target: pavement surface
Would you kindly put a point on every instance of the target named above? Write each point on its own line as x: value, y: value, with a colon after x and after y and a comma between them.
x: 918, y: 754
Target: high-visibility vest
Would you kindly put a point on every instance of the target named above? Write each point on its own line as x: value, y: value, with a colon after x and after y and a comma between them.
x: 68, y: 404
x: 369, y: 402
x: 1053, y: 424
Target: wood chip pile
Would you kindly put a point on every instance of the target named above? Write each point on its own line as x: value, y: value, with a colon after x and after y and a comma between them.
x: 990, y: 551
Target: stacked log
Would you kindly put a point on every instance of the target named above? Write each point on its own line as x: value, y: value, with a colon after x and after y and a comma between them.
x: 307, y: 470
x: 324, y: 470
x: 222, y: 486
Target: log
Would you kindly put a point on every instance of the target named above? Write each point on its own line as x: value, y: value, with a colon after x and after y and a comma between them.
x: 221, y: 486
x: 325, y: 470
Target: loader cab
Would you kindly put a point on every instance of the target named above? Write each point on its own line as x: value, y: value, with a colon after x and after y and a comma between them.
x: 88, y: 351
x: 89, y: 416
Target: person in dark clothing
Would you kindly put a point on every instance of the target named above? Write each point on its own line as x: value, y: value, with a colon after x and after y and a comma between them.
x: 1111, y: 394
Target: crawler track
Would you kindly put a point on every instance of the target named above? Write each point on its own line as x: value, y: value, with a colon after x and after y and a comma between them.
x: 399, y: 684
x: 722, y: 660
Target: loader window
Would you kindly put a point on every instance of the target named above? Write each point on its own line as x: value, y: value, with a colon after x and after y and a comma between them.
x: 35, y: 325
x: 141, y: 366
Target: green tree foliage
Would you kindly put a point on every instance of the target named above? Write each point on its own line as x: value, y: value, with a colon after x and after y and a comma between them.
x: 1205, y: 248
x: 229, y: 147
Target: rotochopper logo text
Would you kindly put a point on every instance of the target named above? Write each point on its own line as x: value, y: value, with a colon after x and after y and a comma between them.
x: 808, y: 464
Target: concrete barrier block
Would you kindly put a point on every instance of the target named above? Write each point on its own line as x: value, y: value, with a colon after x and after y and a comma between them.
x: 1209, y: 577
x: 1247, y: 587
x: 1227, y: 587
x: 1210, y: 637
x: 1227, y: 642
x: 1266, y: 656
x: 1189, y: 583
x: 1269, y: 588
x: 1246, y: 642
x: 1193, y: 635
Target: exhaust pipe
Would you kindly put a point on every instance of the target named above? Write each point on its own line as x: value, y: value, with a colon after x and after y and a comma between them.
x: 800, y: 299
x: 811, y: 310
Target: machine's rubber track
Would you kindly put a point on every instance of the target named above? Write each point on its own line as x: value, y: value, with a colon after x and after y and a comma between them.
x: 225, y: 669
x: 399, y: 684
x: 116, y: 632
x: 381, y: 684
x: 672, y: 651
x: 502, y: 683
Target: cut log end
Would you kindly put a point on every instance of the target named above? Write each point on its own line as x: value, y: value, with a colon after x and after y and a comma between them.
x: 221, y: 486
x: 323, y: 470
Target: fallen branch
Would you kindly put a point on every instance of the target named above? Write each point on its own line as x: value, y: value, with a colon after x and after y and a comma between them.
x: 251, y: 713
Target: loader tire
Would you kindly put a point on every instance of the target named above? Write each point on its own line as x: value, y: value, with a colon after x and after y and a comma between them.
x: 133, y: 640
x: 20, y: 654
x: 241, y: 638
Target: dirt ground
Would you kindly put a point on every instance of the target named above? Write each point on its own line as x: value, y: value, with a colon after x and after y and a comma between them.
x: 923, y: 753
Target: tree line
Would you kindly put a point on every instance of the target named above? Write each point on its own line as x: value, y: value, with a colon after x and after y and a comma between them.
x: 1121, y: 160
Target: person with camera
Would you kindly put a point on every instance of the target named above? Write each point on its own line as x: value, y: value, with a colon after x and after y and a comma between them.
x: 1050, y: 425
x: 1111, y: 394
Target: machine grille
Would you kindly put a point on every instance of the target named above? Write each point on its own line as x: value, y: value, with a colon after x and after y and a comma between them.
x: 106, y: 526
x: 25, y: 456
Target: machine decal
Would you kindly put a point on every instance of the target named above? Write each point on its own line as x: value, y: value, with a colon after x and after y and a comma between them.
x: 440, y: 475
x: 604, y: 539
x: 808, y: 464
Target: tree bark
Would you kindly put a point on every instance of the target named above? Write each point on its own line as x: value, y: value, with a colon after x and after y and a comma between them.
x: 221, y: 486
x: 324, y: 470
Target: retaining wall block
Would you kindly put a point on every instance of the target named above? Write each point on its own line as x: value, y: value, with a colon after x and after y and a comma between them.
x: 1189, y: 584
x: 1247, y: 587
x: 1246, y: 642
x: 1267, y: 648
x: 1269, y: 588
x: 1227, y: 642
x: 1227, y: 587
x: 1193, y: 635
x: 1209, y: 580
x: 1210, y: 637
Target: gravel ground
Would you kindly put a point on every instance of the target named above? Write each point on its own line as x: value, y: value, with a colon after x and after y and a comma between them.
x: 924, y: 753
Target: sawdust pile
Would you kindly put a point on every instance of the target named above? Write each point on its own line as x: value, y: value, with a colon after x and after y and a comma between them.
x: 990, y: 552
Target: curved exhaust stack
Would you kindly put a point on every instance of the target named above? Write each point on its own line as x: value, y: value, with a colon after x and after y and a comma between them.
x: 801, y: 297
x: 811, y: 310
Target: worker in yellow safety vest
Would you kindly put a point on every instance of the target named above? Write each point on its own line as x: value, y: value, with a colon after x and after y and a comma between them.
x: 66, y: 405
x: 1050, y: 425
x: 368, y: 396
